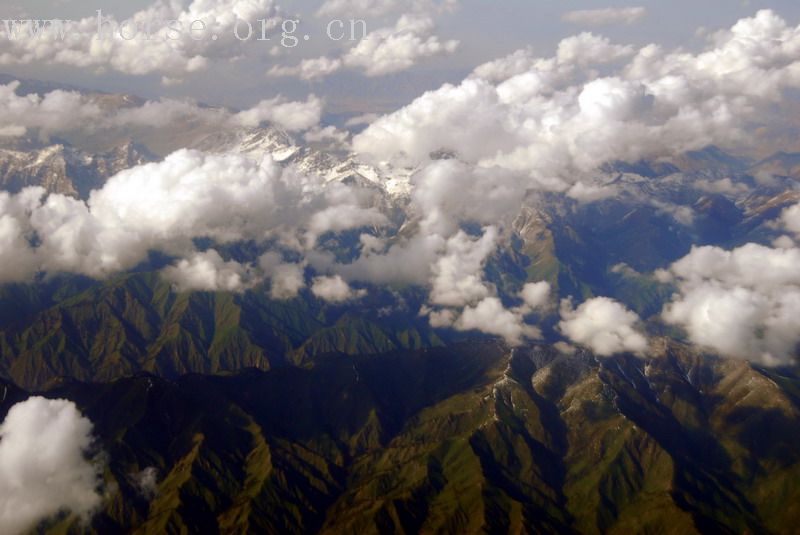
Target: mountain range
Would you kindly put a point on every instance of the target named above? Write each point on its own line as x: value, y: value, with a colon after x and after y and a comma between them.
x: 472, y: 438
x: 233, y: 412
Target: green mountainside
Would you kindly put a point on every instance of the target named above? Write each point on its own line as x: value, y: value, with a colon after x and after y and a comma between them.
x: 137, y: 323
x: 473, y: 438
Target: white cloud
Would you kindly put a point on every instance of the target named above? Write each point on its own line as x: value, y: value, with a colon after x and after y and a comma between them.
x: 335, y: 289
x: 518, y: 62
x: 605, y: 16
x: 406, y: 262
x: 146, y: 482
x: 603, y: 325
x: 164, y: 206
x: 330, y: 136
x: 587, y: 193
x: 791, y: 219
x: 724, y: 186
x: 448, y: 192
x: 448, y: 118
x: 67, y: 111
x: 743, y: 303
x: 208, y: 272
x: 342, y: 216
x: 16, y: 258
x: 588, y: 49
x: 292, y: 116
x: 390, y: 50
x: 308, y: 69
x: 555, y: 119
x: 383, y: 51
x: 489, y: 316
x: 43, y: 468
x: 536, y: 295
x: 173, y: 54
x: 533, y: 74
x: 289, y: 115
x: 439, y: 319
x: 56, y: 111
x: 286, y: 279
x: 458, y: 273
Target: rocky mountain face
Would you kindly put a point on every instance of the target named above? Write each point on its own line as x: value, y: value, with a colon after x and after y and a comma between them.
x: 64, y: 169
x: 473, y: 438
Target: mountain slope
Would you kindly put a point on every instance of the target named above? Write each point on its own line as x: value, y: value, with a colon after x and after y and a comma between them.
x: 135, y: 323
x: 471, y: 439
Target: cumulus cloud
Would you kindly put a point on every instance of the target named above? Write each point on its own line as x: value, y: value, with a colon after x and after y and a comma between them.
x: 286, y: 278
x: 330, y: 136
x: 587, y: 49
x: 398, y: 48
x: 603, y: 325
x: 17, y: 259
x: 490, y: 317
x: 335, y: 289
x: 292, y: 116
x: 518, y: 62
x: 405, y: 262
x: 451, y: 115
x: 557, y: 118
x: 342, y: 216
x: 43, y: 466
x: 174, y: 53
x: 743, y: 303
x: 588, y: 193
x: 542, y: 74
x: 53, y: 112
x: 289, y: 115
x: 308, y: 69
x: 535, y: 295
x: 605, y: 16
x: 791, y: 219
x: 164, y: 206
x: 383, y: 51
x: 448, y: 192
x: 208, y: 272
x: 458, y: 273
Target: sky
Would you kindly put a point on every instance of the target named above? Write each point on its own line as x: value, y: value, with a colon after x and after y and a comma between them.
x: 483, y: 31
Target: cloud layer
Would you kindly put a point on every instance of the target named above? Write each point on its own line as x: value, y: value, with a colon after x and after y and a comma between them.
x: 65, y: 111
x: 164, y: 207
x: 555, y: 119
x: 169, y: 52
